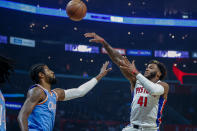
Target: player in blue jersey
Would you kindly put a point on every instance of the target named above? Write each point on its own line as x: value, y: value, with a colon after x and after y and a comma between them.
x: 38, y: 111
x: 6, y: 67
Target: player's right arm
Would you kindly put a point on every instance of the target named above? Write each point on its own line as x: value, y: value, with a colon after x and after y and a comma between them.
x: 115, y: 56
x: 34, y: 96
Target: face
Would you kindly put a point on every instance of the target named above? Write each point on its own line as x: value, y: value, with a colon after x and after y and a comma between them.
x: 50, y: 76
x: 151, y: 71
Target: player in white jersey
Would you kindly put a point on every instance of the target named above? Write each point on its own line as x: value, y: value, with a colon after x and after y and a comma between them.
x: 149, y: 93
x: 150, y: 96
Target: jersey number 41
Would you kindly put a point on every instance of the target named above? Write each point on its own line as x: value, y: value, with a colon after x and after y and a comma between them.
x: 142, y: 101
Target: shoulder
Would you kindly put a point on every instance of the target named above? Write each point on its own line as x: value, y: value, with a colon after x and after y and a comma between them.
x: 57, y: 90
x: 164, y: 84
x: 59, y: 93
x: 166, y: 88
x: 36, y: 93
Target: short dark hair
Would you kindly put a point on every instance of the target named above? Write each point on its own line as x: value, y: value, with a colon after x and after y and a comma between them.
x: 35, y: 70
x: 6, y: 67
x: 161, y: 67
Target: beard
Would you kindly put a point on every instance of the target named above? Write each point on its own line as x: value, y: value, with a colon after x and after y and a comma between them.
x: 52, y: 80
x: 151, y: 75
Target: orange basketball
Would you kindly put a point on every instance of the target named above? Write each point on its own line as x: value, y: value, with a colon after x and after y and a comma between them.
x: 76, y: 10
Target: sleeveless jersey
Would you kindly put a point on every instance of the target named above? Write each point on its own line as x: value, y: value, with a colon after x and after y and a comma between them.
x: 2, y: 113
x: 42, y: 117
x: 146, y: 110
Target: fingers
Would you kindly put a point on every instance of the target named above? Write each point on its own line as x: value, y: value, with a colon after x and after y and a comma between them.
x: 133, y: 62
x: 123, y: 63
x: 93, y: 40
x: 126, y: 60
x: 120, y: 62
x: 108, y: 70
x: 106, y: 64
x: 123, y: 67
x: 89, y: 35
x: 104, y: 68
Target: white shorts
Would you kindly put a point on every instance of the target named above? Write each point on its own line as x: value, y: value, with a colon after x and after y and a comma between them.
x: 131, y: 128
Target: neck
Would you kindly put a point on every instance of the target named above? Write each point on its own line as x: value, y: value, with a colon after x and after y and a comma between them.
x: 45, y: 85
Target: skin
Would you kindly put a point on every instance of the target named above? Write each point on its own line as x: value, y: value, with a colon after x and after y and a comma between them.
x: 37, y: 95
x: 115, y: 56
x: 128, y: 69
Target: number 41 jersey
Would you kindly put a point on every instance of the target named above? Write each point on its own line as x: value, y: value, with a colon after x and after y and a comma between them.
x: 146, y: 110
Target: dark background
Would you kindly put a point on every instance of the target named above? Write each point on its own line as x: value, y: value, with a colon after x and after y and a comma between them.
x: 107, y: 106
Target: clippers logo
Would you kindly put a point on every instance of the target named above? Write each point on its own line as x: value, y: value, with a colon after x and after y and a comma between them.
x: 51, y: 106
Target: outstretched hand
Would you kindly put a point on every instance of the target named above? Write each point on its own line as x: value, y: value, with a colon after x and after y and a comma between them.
x: 95, y: 38
x: 126, y: 65
x: 104, y: 70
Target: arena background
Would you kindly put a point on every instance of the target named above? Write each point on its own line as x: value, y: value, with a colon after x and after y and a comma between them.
x: 30, y: 36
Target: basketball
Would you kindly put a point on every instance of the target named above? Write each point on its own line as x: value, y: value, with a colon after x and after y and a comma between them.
x: 76, y: 10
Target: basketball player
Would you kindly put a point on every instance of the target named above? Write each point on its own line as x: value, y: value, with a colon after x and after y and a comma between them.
x: 38, y: 111
x: 6, y: 67
x: 150, y: 93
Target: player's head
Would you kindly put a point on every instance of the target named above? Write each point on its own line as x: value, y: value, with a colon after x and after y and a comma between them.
x: 6, y: 67
x: 41, y: 73
x: 155, y: 69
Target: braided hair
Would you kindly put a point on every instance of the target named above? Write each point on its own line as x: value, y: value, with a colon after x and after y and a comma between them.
x: 6, y: 67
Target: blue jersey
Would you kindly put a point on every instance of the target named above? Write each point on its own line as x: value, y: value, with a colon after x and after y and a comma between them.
x: 42, y: 117
x: 2, y: 113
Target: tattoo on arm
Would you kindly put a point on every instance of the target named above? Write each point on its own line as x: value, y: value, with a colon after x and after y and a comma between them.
x: 113, y: 54
x: 116, y: 57
x: 34, y: 96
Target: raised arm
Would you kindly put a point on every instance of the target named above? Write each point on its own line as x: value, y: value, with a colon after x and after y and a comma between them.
x: 115, y: 56
x: 64, y: 95
x: 34, y: 96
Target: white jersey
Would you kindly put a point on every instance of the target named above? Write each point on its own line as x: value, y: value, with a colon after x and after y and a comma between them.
x: 146, y: 110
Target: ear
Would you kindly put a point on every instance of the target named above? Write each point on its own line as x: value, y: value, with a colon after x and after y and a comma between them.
x: 41, y: 75
x: 158, y: 74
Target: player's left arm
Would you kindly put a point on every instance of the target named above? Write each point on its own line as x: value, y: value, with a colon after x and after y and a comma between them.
x: 82, y: 90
